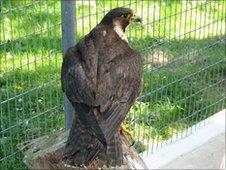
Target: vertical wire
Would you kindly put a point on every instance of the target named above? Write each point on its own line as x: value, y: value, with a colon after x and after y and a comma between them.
x: 219, y: 69
x: 4, y: 148
x: 132, y: 115
x: 83, y: 28
x: 104, y: 12
x: 222, y: 25
x: 180, y: 27
x: 21, y: 72
x: 205, y: 18
x: 76, y: 13
x: 110, y: 4
x: 190, y: 91
x: 50, y: 71
x: 171, y: 87
x: 175, y: 21
x: 196, y: 14
x: 185, y: 23
x: 136, y: 7
x: 211, y: 77
x: 139, y: 137
x: 206, y: 76
x: 1, y: 74
x: 155, y: 43
x: 148, y: 17
x: 191, y: 15
x: 97, y: 14
x: 25, y: 116
x: 195, y: 37
x: 124, y: 3
x: 147, y: 33
x: 15, y: 92
x: 12, y: 53
x: 170, y: 14
x: 169, y: 38
x: 36, y: 70
x: 211, y: 10
x: 13, y: 70
x: 223, y: 78
x: 171, y: 90
x: 159, y: 38
x: 42, y: 99
x: 223, y: 34
x: 156, y: 3
x: 163, y: 91
x: 206, y: 36
x: 200, y: 23
x: 21, y: 69
x: 184, y: 37
x: 153, y: 33
x: 56, y: 63
x: 221, y: 75
x: 28, y: 76
x: 218, y: 14
x: 130, y: 34
x: 197, y: 117
x: 142, y: 16
x: 214, y: 18
x: 142, y: 10
x: 90, y: 26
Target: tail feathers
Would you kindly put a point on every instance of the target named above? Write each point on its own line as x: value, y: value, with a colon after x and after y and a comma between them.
x: 114, y: 155
x: 81, y: 147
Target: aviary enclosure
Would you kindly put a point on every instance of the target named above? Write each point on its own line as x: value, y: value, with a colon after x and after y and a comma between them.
x: 184, y: 68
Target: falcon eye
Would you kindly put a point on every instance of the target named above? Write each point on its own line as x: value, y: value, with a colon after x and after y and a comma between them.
x: 125, y: 15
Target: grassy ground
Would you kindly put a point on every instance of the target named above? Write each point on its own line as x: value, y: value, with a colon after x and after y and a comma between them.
x: 184, y: 67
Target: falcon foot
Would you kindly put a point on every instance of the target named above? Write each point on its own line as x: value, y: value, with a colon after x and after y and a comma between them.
x: 125, y: 132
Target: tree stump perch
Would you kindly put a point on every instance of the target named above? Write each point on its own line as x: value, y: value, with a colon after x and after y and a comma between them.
x: 46, y: 153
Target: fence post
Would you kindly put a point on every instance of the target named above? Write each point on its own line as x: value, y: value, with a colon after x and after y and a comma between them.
x: 68, y: 40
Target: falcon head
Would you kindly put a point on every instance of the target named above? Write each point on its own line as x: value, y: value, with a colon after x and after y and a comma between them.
x: 120, y: 17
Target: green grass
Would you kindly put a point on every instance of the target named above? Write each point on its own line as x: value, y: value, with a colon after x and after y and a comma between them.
x: 172, y: 94
x: 175, y: 95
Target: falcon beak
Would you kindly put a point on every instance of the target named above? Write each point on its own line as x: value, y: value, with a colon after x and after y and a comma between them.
x: 137, y: 19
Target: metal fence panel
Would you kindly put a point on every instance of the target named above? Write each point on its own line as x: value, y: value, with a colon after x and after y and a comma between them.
x: 183, y: 49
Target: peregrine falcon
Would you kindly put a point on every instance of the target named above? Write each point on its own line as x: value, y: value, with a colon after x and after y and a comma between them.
x: 101, y: 76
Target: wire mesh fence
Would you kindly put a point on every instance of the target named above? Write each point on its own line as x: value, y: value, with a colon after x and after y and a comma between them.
x: 183, y: 49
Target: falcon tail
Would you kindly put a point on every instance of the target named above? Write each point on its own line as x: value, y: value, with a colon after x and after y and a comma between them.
x: 81, y: 147
x: 114, y: 155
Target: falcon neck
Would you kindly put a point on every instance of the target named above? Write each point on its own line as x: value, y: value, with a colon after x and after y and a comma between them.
x: 120, y: 30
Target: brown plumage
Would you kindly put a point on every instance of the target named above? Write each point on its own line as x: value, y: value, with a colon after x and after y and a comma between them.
x: 101, y: 77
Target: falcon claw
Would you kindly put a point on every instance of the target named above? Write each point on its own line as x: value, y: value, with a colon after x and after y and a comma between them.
x: 132, y: 143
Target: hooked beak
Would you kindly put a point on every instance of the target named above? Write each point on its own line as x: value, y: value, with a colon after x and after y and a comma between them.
x: 137, y: 19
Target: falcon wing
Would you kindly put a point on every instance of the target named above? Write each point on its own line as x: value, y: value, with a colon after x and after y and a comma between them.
x: 124, y: 89
x: 79, y: 83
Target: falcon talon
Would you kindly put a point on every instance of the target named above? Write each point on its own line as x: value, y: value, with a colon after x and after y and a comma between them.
x: 133, y: 143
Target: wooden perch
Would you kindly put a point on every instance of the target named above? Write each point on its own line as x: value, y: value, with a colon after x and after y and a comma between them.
x: 46, y: 153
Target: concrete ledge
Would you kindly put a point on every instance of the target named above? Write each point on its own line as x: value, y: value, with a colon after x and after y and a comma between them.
x: 169, y: 152
x: 209, y: 155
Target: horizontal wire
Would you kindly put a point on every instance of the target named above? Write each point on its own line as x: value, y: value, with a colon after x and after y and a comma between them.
x: 29, y: 119
x: 178, y: 80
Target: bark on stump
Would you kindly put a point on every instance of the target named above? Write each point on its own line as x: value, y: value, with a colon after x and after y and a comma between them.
x: 46, y: 153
